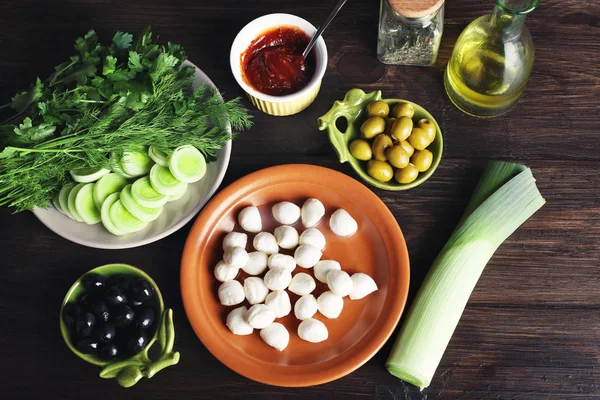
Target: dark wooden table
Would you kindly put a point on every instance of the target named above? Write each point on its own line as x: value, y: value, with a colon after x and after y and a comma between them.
x: 531, y: 329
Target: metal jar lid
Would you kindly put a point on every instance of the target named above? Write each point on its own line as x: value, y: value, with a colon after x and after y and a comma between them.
x: 415, y: 8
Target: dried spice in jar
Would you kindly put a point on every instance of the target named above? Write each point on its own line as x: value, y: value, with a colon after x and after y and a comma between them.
x: 410, y: 31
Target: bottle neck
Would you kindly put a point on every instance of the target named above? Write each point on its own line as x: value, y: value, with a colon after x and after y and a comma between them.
x: 509, y: 15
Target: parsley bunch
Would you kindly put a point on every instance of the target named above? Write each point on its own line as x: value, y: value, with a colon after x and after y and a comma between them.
x: 102, y: 102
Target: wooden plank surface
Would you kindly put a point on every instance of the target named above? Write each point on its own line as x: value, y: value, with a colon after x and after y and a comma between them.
x: 530, y: 330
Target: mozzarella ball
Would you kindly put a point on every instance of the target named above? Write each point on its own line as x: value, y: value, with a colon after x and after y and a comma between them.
x: 307, y: 256
x: 362, y: 285
x: 302, y: 284
x: 342, y: 224
x: 339, y: 282
x: 278, y: 278
x: 312, y: 212
x: 266, y: 243
x: 249, y: 219
x: 260, y: 316
x: 306, y: 307
x: 286, y: 236
x: 257, y: 263
x: 281, y: 261
x: 323, y: 267
x: 235, y: 239
x: 236, y: 257
x: 286, y: 213
x: 236, y: 322
x: 312, y: 330
x: 255, y: 290
x: 312, y: 237
x: 224, y: 272
x: 330, y: 305
x: 231, y: 293
x: 279, y: 301
x: 275, y: 335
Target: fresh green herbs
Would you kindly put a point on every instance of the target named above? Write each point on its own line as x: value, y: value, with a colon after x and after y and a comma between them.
x: 102, y: 102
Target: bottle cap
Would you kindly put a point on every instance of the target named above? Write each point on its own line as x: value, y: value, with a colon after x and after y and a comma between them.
x: 415, y: 8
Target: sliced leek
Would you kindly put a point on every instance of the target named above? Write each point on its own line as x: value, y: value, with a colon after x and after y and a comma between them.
x: 504, y: 199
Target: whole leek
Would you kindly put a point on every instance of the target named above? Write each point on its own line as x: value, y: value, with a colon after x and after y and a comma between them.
x: 505, y: 197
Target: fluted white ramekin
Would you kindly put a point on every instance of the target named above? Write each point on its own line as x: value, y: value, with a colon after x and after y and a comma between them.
x: 278, y: 105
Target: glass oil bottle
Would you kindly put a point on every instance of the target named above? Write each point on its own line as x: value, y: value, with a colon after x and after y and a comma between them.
x: 492, y: 60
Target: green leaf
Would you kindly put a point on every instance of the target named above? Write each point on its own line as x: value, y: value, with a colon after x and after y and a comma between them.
x: 97, y: 81
x: 8, y: 152
x: 122, y: 40
x: 31, y: 133
x: 134, y: 63
x: 163, y: 63
x: 87, y: 43
x: 24, y: 127
x: 106, y: 90
x: 109, y: 65
x: 121, y: 75
x: 43, y: 107
x: 176, y: 50
x: 22, y: 100
x: 136, y: 101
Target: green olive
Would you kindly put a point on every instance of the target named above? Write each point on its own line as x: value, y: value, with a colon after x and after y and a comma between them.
x: 422, y: 160
x: 418, y: 139
x: 380, y: 170
x: 397, y: 156
x: 403, y: 110
x: 381, y: 143
x: 372, y: 127
x: 378, y: 109
x: 402, y: 128
x: 429, y: 127
x: 406, y: 174
x: 406, y: 146
x: 361, y: 149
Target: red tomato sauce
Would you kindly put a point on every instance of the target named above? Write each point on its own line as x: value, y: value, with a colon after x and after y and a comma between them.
x: 273, y: 63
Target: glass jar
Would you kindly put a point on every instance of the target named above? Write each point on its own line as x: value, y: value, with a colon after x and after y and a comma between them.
x: 410, y: 31
x: 492, y: 61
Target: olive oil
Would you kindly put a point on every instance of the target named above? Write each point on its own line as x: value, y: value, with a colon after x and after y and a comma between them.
x: 491, y: 61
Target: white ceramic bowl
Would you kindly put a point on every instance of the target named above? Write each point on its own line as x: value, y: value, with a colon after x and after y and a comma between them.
x: 278, y: 105
x: 174, y: 216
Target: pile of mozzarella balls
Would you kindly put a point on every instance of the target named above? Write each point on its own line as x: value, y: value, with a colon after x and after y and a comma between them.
x: 271, y: 273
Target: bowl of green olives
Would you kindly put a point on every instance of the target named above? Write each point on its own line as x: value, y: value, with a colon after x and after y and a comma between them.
x: 392, y: 144
x: 112, y: 316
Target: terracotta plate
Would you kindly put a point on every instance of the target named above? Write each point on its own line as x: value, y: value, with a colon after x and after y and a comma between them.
x: 378, y: 249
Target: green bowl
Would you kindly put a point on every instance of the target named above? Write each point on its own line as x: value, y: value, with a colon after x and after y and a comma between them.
x: 353, y: 109
x: 128, y: 371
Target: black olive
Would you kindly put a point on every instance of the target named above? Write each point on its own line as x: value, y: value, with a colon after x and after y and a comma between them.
x: 100, y: 310
x: 86, y: 301
x: 137, y: 341
x: 114, y: 296
x: 145, y: 319
x: 121, y: 282
x: 70, y: 313
x: 108, y: 351
x: 87, y: 346
x: 93, y: 282
x: 134, y: 303
x: 105, y: 333
x: 85, y: 324
x: 141, y: 290
x: 123, y: 316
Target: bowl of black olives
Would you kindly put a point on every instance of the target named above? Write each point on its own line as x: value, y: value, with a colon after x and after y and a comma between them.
x: 112, y: 316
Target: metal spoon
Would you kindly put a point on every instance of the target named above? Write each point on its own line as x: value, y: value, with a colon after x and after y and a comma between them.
x: 317, y: 35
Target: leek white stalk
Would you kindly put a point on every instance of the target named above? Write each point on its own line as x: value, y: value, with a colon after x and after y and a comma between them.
x: 505, y: 197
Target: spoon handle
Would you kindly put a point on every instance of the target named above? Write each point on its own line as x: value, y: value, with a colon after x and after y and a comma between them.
x: 324, y: 26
